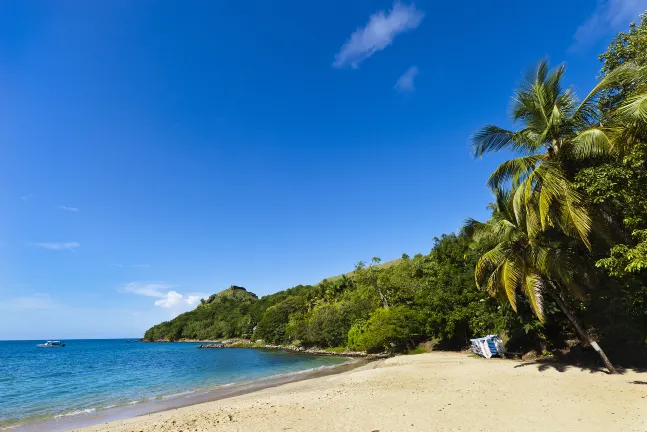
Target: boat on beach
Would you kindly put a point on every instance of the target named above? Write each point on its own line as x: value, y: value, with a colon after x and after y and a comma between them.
x: 51, y: 344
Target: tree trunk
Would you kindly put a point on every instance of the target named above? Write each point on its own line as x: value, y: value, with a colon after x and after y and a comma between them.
x: 385, y: 301
x: 583, y: 334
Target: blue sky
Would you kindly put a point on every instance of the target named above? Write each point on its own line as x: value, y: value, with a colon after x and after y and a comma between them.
x: 154, y: 152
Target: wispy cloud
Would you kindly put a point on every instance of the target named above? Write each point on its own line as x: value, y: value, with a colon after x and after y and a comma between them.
x: 33, y: 302
x: 26, y: 197
x: 167, y: 297
x: 70, y: 209
x: 377, y: 34
x: 405, y: 82
x: 117, y: 265
x: 608, y: 17
x: 58, y: 246
x: 141, y: 266
x: 150, y: 289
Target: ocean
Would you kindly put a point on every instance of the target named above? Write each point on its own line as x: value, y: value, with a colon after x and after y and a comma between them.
x: 89, y: 376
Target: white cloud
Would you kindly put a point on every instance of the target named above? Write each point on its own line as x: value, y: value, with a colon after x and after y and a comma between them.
x: 378, y: 33
x: 167, y: 297
x: 173, y: 298
x: 58, y: 246
x: 405, y: 82
x: 608, y: 17
x: 26, y: 197
x: 70, y: 209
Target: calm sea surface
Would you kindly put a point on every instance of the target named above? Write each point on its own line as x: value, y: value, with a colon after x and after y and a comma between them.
x: 92, y: 375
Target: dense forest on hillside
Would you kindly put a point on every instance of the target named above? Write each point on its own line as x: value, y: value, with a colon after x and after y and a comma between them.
x: 375, y: 308
x: 562, y: 259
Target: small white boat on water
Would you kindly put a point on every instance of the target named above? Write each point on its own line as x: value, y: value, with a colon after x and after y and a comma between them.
x: 51, y: 344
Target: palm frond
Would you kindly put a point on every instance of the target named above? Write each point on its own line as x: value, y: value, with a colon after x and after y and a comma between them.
x: 490, y: 261
x: 510, y: 279
x: 515, y: 170
x: 493, y: 138
x: 635, y: 108
x: 533, y: 286
x: 626, y: 74
x: 589, y: 143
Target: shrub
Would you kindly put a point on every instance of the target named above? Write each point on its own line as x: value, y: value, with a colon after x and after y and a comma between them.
x: 387, y: 329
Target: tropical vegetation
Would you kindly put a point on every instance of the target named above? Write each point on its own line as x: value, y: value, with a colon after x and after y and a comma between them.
x: 560, y: 266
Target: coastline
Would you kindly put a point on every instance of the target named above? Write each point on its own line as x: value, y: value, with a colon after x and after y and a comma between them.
x: 435, y: 391
x: 171, y: 402
x: 246, y: 343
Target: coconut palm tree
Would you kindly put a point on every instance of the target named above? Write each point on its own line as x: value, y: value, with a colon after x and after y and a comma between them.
x: 524, y: 258
x: 557, y: 133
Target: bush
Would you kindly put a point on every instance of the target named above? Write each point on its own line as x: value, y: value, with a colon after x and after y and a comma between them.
x: 387, y: 329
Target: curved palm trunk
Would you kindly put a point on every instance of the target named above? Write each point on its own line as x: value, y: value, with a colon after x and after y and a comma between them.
x: 583, y: 333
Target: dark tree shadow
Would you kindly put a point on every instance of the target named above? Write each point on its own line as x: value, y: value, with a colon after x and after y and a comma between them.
x: 639, y: 382
x: 585, y: 360
x: 544, y: 365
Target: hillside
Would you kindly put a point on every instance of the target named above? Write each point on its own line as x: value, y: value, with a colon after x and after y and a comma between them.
x: 234, y: 293
x: 235, y: 312
x: 381, y: 307
x: 349, y: 274
x: 227, y: 313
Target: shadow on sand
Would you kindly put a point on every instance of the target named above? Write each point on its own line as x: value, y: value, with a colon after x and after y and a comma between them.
x: 584, y: 363
x: 544, y: 365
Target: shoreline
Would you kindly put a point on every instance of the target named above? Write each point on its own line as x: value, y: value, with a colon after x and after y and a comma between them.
x: 172, y: 402
x: 434, y: 392
x: 246, y: 343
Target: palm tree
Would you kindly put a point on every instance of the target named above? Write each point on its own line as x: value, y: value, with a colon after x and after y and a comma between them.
x: 558, y: 133
x: 524, y: 258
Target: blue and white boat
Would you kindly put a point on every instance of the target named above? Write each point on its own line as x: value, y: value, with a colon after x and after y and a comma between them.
x: 488, y: 346
x: 51, y: 344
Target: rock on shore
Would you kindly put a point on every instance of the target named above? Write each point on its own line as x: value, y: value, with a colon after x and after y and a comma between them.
x: 238, y: 343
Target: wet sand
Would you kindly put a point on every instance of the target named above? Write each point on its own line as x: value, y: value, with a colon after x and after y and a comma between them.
x: 432, y: 392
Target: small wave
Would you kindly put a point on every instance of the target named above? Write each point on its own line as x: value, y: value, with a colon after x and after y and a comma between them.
x: 298, y: 372
x: 184, y: 393
x: 75, y: 413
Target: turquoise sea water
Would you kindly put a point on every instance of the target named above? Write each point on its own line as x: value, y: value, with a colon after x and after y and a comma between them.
x: 91, y: 375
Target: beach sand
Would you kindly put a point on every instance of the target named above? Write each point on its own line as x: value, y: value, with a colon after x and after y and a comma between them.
x: 430, y: 392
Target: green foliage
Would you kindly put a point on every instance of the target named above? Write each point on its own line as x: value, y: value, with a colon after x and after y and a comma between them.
x: 619, y: 187
x: 568, y: 233
x: 427, y: 296
x: 389, y: 329
x: 416, y: 350
x: 581, y: 176
x: 223, y: 315
x: 336, y: 350
x: 625, y: 47
x: 272, y: 326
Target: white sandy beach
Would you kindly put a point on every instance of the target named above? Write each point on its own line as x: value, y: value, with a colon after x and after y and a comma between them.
x: 430, y: 392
